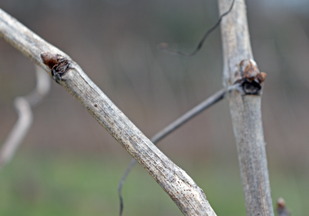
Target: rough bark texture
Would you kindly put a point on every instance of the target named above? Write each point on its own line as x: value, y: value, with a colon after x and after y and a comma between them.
x: 190, y: 199
x: 245, y: 112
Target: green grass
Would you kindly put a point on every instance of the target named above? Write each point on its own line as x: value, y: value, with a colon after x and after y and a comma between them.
x: 79, y: 185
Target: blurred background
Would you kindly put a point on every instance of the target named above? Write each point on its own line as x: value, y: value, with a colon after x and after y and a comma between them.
x: 69, y: 165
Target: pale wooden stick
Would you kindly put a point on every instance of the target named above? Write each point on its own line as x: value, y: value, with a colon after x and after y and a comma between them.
x: 190, y: 199
x: 246, y: 113
x: 173, y: 126
x: 42, y: 87
x: 23, y: 107
x: 18, y: 132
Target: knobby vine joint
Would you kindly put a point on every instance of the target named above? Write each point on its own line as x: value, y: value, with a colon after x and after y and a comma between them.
x: 58, y: 64
x: 250, y: 78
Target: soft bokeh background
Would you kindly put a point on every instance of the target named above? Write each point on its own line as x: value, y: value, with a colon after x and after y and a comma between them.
x: 69, y: 165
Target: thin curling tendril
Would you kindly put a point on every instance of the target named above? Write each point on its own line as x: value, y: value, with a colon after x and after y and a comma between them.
x: 164, y: 46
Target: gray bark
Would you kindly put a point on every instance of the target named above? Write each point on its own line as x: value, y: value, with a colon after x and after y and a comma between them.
x: 246, y: 113
x: 190, y: 199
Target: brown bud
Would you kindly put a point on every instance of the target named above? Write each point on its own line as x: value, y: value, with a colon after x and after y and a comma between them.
x: 280, y: 203
x: 50, y: 59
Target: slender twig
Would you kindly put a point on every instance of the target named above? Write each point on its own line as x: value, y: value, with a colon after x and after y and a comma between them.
x: 172, y: 127
x: 187, y: 116
x: 23, y: 107
x: 42, y: 87
x: 18, y: 132
x: 164, y: 46
x: 187, y: 195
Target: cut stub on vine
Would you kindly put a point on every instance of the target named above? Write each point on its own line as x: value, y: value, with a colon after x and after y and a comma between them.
x: 250, y: 78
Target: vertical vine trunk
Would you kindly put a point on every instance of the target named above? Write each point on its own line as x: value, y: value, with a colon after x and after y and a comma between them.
x: 246, y: 112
